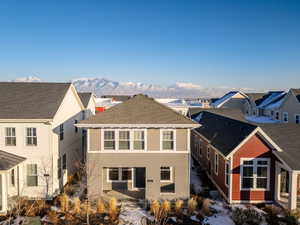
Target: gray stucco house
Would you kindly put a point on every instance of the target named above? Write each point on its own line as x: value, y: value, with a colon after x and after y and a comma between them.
x: 139, y: 148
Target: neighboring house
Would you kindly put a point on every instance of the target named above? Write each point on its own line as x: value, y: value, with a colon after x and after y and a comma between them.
x: 10, y: 170
x: 260, y: 107
x: 233, y: 99
x: 88, y: 100
x: 247, y: 163
x: 108, y: 101
x: 37, y: 123
x: 288, y: 111
x: 140, y: 148
x: 179, y: 105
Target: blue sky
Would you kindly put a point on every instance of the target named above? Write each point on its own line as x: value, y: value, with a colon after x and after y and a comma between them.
x: 239, y: 43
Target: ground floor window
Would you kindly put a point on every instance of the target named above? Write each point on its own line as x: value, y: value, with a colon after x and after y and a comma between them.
x: 12, y: 177
x: 165, y: 174
x: 297, y: 119
x: 119, y: 174
x: 255, y: 173
x: 32, y: 175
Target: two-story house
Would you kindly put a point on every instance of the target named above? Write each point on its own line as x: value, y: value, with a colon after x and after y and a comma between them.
x: 232, y: 99
x: 139, y: 148
x: 37, y: 123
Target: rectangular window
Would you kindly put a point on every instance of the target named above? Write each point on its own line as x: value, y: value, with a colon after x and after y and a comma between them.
x: 31, y: 137
x: 64, y: 162
x: 208, y: 152
x: 200, y: 148
x: 61, y: 132
x: 255, y: 174
x: 12, y: 177
x: 216, y: 163
x: 113, y: 174
x: 126, y: 174
x: 76, y: 128
x: 285, y: 117
x: 227, y: 169
x: 167, y: 140
x: 109, y: 140
x: 124, y: 140
x: 277, y: 116
x: 139, y: 140
x: 10, y: 136
x: 59, y: 168
x: 165, y: 174
x: 32, y: 176
x: 297, y: 119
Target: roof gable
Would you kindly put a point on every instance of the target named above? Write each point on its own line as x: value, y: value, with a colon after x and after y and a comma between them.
x: 85, y: 97
x: 296, y: 92
x: 25, y: 100
x: 8, y: 160
x: 139, y: 110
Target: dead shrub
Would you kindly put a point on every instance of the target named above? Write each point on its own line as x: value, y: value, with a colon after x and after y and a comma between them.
x: 69, y: 190
x: 64, y: 202
x: 246, y: 216
x: 77, y: 206
x: 100, y: 207
x: 166, y: 206
x: 205, y: 209
x: 113, y: 209
x: 192, y: 205
x: 178, y: 207
x: 53, y: 217
x: 155, y: 206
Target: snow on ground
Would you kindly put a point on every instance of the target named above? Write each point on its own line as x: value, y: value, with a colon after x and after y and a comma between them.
x: 260, y: 119
x: 195, y: 179
x: 132, y: 213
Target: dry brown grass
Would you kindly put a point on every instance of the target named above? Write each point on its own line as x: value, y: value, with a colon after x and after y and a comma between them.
x: 192, y: 205
x: 53, y: 217
x: 155, y: 206
x: 100, y: 206
x: 77, y: 206
x: 206, y: 203
x: 166, y: 206
x: 178, y: 206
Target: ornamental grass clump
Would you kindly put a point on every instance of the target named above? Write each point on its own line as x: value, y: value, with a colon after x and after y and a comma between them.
x: 113, y: 209
x: 64, y: 202
x: 155, y: 206
x: 192, y: 205
x: 166, y: 206
x: 77, y: 206
x: 178, y: 207
x: 100, y: 207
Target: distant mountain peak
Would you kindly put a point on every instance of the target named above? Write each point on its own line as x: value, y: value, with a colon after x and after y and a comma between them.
x: 28, y: 79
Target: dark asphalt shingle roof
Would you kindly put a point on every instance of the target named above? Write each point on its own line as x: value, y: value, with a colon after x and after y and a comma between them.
x: 224, y: 133
x: 296, y: 93
x: 256, y: 97
x: 22, y: 100
x: 287, y: 137
x: 8, y: 160
x: 140, y: 109
x: 85, y: 97
x: 236, y: 114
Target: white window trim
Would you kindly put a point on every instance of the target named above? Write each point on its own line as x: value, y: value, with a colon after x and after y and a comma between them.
x: 119, y: 175
x: 216, y: 163
x: 10, y: 136
x: 255, y: 174
x: 131, y: 139
x: 297, y: 115
x: 227, y: 173
x: 171, y: 175
x: 161, y: 140
x: 25, y: 132
x: 287, y: 117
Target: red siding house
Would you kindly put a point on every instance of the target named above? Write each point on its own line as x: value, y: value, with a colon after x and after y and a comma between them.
x: 248, y: 163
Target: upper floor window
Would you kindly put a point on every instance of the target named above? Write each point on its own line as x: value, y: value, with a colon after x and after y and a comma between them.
x: 109, y: 140
x: 297, y: 119
x: 208, y: 153
x: 124, y: 140
x: 285, y: 117
x: 139, y: 140
x: 32, y: 175
x: 61, y: 131
x: 255, y: 173
x: 165, y: 174
x: 31, y: 137
x: 64, y: 162
x: 277, y: 115
x: 167, y: 140
x: 10, y: 136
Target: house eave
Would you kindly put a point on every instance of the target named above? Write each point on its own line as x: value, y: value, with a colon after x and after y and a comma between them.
x: 190, y: 126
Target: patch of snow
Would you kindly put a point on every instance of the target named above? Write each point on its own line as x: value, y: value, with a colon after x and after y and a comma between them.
x: 275, y: 105
x: 132, y: 214
x: 224, y: 99
x: 219, y: 219
x: 270, y: 99
x: 194, y: 218
x: 260, y: 119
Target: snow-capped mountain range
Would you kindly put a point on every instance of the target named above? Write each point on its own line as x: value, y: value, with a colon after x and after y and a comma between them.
x: 103, y: 86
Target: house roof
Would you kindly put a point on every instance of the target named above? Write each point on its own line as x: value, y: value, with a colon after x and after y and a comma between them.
x: 140, y: 109
x: 224, y: 133
x: 224, y: 98
x: 286, y: 136
x: 25, y: 100
x: 256, y: 97
x: 118, y: 98
x: 296, y: 93
x: 8, y: 160
x: 85, y: 97
x: 232, y: 113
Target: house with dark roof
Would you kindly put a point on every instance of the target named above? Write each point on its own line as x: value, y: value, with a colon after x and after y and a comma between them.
x: 37, y: 123
x: 247, y: 162
x: 138, y: 149
x: 232, y: 99
x: 88, y: 100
